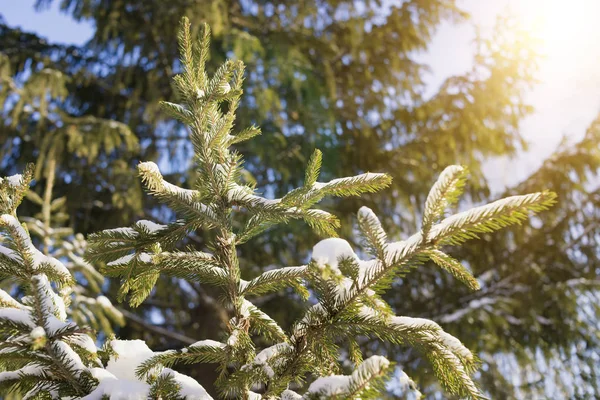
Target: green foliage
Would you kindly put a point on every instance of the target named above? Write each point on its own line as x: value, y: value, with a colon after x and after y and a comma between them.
x: 342, y: 285
x: 319, y: 73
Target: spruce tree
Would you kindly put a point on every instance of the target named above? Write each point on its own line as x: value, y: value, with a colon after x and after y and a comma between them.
x: 254, y: 352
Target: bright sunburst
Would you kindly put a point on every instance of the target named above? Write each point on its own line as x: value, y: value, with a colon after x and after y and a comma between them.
x: 561, y: 26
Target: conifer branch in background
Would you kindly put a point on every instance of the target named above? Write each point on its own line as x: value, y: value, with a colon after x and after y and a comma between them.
x: 87, y: 304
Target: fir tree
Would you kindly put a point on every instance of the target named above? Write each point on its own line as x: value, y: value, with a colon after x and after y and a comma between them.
x: 345, y: 290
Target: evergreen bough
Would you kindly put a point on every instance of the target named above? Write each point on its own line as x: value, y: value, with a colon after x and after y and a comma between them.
x: 46, y: 356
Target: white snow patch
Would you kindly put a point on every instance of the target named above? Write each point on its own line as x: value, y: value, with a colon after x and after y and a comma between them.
x: 145, y: 258
x: 54, y: 324
x: 37, y: 257
x: 119, y: 389
x: 233, y: 339
x: 52, y: 303
x: 330, y: 385
x: 208, y: 343
x: 253, y: 395
x: 14, y: 180
x: 130, y: 354
x: 455, y: 345
x: 262, y: 359
x: 150, y: 226
x: 290, y: 395
x: 71, y: 356
x: 84, y: 341
x: 7, y: 299
x: 186, y: 194
x: 101, y: 374
x: 17, y: 315
x: 30, y: 370
x: 8, y: 252
x: 37, y: 332
x: 121, y: 261
x: 129, y: 232
x: 417, y: 323
x: 189, y: 389
x: 245, y: 194
x: 330, y: 251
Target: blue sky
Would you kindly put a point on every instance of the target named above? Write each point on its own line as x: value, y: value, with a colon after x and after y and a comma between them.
x: 566, y: 99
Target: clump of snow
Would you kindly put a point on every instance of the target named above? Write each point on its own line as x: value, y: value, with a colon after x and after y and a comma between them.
x: 54, y: 324
x: 15, y: 180
x: 37, y: 257
x: 415, y: 323
x: 341, y: 384
x: 114, y: 388
x: 101, y: 374
x: 8, y: 252
x: 121, y: 261
x: 85, y: 342
x: 436, y: 333
x: 233, y: 338
x: 290, y: 395
x: 52, y: 303
x: 366, y: 212
x: 130, y: 232
x: 407, y: 384
x: 149, y: 166
x: 401, y: 249
x: 330, y: 385
x: 375, y: 363
x: 119, y: 381
x: 331, y: 251
x: 250, y: 395
x: 189, y: 389
x: 28, y: 370
x: 151, y: 227
x: 8, y: 301
x: 37, y: 332
x: 368, y: 312
x: 208, y: 343
x: 265, y: 356
x: 130, y: 354
x: 245, y: 194
x: 455, y: 345
x: 145, y: 258
x: 70, y: 356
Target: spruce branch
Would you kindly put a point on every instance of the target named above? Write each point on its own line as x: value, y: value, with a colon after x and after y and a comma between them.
x: 346, y: 289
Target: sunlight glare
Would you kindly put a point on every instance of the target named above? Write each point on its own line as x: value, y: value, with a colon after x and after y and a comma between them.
x: 562, y: 27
